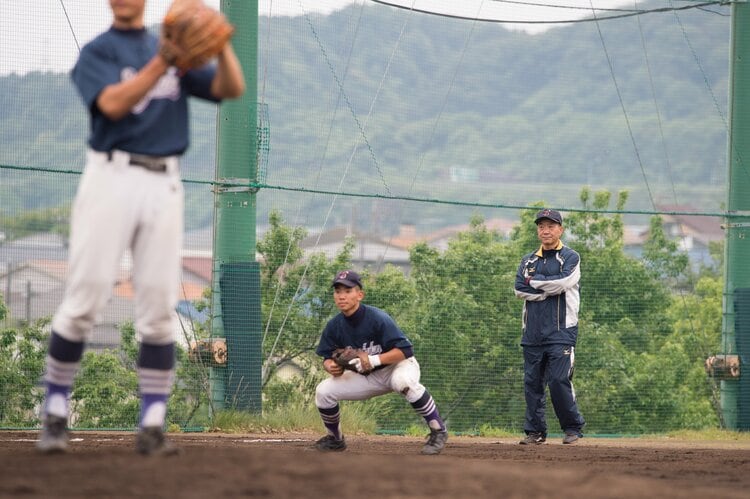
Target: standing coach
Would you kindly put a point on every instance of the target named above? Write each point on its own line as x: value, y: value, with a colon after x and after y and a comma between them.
x: 547, y: 281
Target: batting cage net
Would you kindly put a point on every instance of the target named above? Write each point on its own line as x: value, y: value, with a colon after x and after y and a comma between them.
x: 414, y: 145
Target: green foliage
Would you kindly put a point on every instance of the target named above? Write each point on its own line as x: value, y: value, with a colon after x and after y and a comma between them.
x: 104, y: 394
x: 615, y: 286
x: 636, y: 371
x: 391, y: 291
x: 640, y: 354
x: 661, y: 255
x: 697, y: 325
x: 297, y: 290
x: 189, y: 402
x: 525, y: 123
x: 525, y: 130
x: 22, y: 354
x: 279, y: 246
x: 464, y: 323
x: 55, y: 220
x: 716, y: 253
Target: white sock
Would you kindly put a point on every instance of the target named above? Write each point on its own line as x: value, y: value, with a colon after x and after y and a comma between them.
x: 57, y: 405
x: 154, y: 415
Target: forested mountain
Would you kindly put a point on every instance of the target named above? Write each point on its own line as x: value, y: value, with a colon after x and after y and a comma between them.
x: 387, y: 102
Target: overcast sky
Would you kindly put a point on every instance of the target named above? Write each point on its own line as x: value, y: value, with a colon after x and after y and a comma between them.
x: 37, y: 34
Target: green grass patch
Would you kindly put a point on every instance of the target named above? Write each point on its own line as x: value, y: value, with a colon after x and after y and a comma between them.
x: 355, y: 419
x: 710, y: 434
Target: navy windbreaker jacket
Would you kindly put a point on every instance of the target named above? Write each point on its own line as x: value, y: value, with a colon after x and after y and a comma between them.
x: 551, y: 296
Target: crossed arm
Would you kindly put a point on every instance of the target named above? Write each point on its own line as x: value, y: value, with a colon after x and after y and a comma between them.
x: 539, y: 287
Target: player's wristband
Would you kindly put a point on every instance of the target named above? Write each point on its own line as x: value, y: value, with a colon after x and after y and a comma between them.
x: 374, y: 360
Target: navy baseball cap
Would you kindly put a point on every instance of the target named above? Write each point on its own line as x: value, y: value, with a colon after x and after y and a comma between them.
x: 348, y: 278
x: 548, y: 214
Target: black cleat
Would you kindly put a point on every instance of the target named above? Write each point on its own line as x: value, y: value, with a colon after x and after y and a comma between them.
x: 435, y: 442
x: 534, y: 438
x: 150, y: 441
x: 329, y: 443
x: 54, y: 436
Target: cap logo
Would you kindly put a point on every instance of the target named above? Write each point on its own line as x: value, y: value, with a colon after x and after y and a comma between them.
x: 344, y: 274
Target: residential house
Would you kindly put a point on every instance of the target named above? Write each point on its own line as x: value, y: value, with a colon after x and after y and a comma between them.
x: 692, y: 233
x: 32, y: 284
x: 370, y: 250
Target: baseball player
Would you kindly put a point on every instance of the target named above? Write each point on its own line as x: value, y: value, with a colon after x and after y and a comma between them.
x: 129, y: 197
x: 547, y: 281
x: 386, y: 364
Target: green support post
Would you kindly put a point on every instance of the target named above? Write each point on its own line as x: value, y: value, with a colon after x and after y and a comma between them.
x: 735, y: 393
x: 236, y: 274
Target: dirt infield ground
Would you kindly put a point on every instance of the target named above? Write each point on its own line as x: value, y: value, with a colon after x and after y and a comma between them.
x: 104, y: 465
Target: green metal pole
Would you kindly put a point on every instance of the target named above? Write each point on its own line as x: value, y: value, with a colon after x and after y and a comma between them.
x: 236, y: 274
x: 735, y: 393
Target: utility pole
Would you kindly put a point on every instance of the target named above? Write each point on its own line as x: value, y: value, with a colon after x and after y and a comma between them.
x: 735, y: 389
x: 236, y: 315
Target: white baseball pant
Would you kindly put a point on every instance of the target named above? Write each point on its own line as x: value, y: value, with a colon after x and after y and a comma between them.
x: 402, y: 378
x: 121, y: 206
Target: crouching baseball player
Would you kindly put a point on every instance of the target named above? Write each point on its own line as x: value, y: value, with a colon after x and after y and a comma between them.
x: 367, y: 355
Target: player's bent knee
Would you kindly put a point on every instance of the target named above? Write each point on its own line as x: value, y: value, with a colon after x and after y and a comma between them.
x: 324, y: 394
x: 407, y: 386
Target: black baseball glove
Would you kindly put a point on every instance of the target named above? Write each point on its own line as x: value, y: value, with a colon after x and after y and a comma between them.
x: 345, y: 356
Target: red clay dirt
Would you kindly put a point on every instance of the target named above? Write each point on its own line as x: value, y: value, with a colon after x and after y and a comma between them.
x: 105, y: 465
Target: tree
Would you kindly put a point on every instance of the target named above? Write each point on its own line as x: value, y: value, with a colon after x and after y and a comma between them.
x: 464, y: 323
x: 640, y: 355
x: 21, y: 366
x: 296, y: 301
x: 697, y: 325
x: 54, y: 220
x: 615, y: 286
x: 661, y: 255
x: 105, y: 391
x: 639, y: 370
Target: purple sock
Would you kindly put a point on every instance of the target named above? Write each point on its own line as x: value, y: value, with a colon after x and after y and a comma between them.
x: 427, y: 408
x: 332, y: 420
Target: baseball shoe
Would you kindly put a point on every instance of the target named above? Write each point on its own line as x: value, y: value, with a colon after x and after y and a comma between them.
x: 54, y: 436
x: 571, y: 437
x: 435, y: 442
x: 534, y: 438
x: 329, y: 443
x: 150, y: 441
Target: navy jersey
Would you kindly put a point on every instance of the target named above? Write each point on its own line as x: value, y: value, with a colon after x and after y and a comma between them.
x: 156, y: 126
x: 369, y: 328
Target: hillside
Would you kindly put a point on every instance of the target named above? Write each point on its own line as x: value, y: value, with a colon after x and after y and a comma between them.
x: 429, y: 107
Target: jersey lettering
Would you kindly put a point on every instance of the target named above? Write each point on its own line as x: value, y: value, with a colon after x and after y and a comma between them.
x: 168, y: 87
x: 372, y: 348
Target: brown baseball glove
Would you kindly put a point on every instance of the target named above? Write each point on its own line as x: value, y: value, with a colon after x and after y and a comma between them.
x: 193, y: 33
x: 345, y: 356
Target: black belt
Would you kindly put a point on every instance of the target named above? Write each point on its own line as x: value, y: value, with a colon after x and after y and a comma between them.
x: 150, y: 163
x: 156, y: 164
